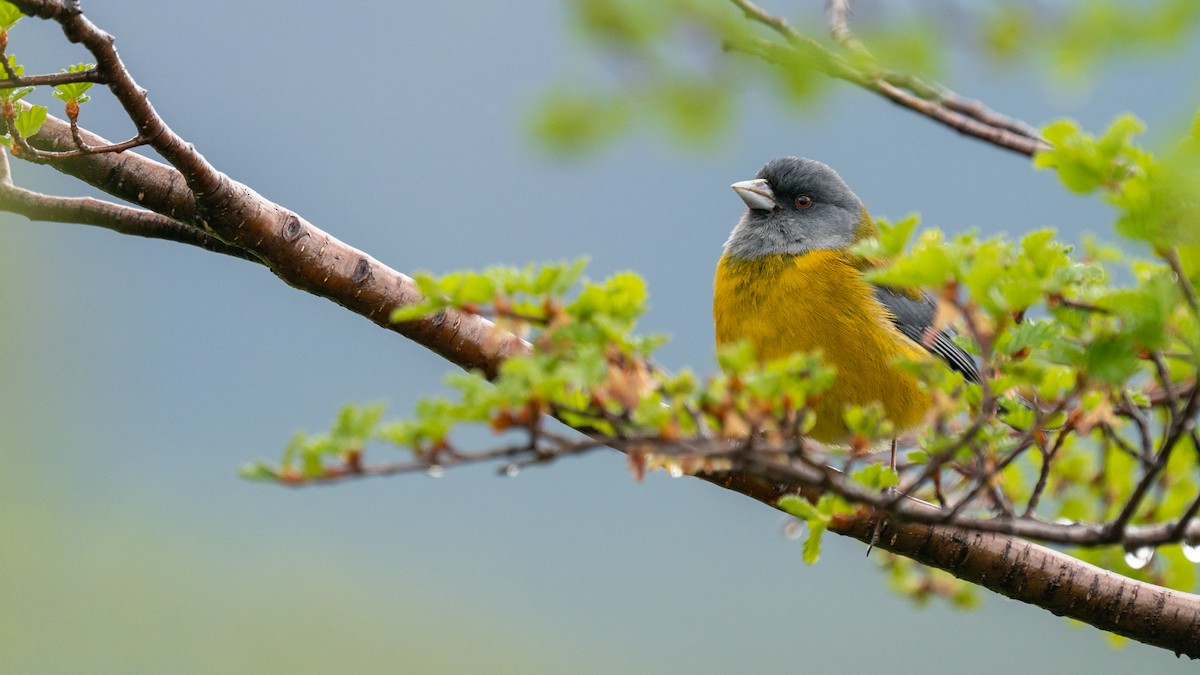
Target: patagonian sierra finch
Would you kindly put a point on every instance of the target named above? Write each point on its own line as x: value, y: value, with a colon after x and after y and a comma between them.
x: 787, y: 282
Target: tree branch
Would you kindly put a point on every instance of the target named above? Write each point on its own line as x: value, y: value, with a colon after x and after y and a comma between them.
x: 115, y: 217
x: 1015, y: 568
x: 89, y: 75
x: 932, y: 100
x: 839, y: 27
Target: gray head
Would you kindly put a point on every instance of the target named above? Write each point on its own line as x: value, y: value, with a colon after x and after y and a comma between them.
x: 796, y: 205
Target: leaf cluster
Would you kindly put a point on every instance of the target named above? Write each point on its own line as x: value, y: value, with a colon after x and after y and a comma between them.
x: 27, y: 120
x: 588, y: 369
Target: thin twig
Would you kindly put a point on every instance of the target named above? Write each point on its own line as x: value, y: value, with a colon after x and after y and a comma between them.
x: 1171, y: 255
x: 972, y: 108
x: 942, y: 105
x: 337, y: 474
x: 1180, y: 425
x: 90, y: 75
x: 775, y: 23
x: 1044, y: 473
x: 1135, y: 413
x: 839, y: 27
x: 30, y: 153
x: 9, y: 73
x: 1111, y: 435
x: 937, y: 460
x: 914, y: 510
x: 1177, y: 532
x: 1060, y: 301
x: 1164, y: 379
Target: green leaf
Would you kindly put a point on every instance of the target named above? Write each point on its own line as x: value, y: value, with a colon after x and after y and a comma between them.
x: 799, y: 76
x: 573, y: 121
x: 876, y: 477
x: 416, y: 311
x: 13, y: 93
x: 894, y: 237
x: 1085, y: 164
x: 800, y: 507
x: 356, y: 421
x: 965, y: 595
x: 295, y: 446
x: 816, y: 516
x: 621, y: 296
x: 1111, y: 359
x: 557, y: 280
x: 623, y: 23
x: 812, y: 545
x: 694, y: 109
x: 869, y: 421
x: 1029, y: 334
x: 1006, y: 33
x: 1077, y: 176
x: 75, y: 90
x: 260, y: 470
x: 1119, y: 134
x: 930, y: 263
x: 9, y: 15
x: 738, y: 357
x: 1061, y: 132
x: 30, y: 120
x: 913, y: 46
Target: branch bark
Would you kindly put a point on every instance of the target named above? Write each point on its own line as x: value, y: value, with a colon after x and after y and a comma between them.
x: 1018, y: 569
x: 110, y: 216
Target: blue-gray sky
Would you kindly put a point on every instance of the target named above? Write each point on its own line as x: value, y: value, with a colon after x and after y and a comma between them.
x: 139, y: 374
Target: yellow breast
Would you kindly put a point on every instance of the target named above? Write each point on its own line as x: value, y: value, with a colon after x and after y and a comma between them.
x: 819, y: 300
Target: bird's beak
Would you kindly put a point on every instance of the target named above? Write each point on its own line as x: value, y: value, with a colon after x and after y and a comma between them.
x: 756, y: 193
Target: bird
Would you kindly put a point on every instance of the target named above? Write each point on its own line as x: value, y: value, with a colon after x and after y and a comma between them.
x: 788, y: 282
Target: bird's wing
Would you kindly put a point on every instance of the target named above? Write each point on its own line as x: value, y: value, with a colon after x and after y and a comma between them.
x: 913, y: 316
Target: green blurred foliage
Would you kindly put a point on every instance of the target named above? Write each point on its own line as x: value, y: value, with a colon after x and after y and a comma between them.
x: 668, y: 67
x: 912, y: 45
x: 667, y: 71
x: 1077, y: 36
x: 924, y: 584
x: 580, y: 121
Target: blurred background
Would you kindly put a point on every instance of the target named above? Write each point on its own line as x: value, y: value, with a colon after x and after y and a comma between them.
x: 138, y: 375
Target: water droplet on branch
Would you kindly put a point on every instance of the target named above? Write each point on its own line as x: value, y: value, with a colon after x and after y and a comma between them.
x: 1191, y: 552
x: 793, y: 528
x: 1139, y: 557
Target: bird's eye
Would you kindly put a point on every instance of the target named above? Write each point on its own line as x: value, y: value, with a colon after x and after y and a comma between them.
x: 803, y: 202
